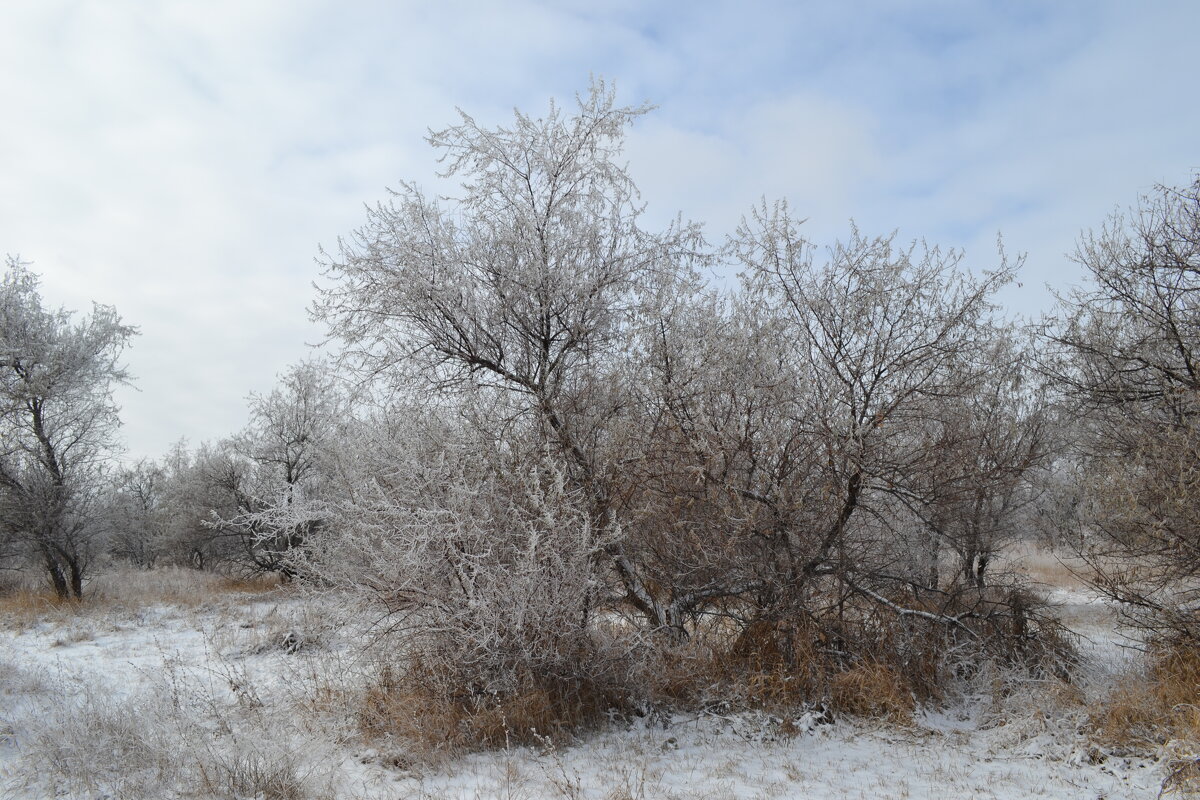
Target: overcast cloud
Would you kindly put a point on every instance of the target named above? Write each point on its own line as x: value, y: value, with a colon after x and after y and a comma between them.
x: 183, y: 161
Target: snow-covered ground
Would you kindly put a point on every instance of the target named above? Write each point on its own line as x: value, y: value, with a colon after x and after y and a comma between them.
x: 254, y: 696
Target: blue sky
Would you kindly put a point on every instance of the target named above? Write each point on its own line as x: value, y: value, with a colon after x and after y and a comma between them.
x: 183, y: 160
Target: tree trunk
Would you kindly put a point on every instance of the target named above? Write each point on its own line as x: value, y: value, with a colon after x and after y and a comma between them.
x: 58, y: 581
x: 76, y: 577
x: 981, y: 565
x: 932, y: 576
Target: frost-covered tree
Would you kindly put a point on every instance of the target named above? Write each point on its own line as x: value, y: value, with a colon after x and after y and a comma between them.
x: 270, y: 478
x: 986, y: 458
x: 1128, y: 358
x: 134, y: 514
x: 572, y: 429
x: 484, y: 561
x: 529, y: 284
x: 246, y: 502
x: 880, y: 338
x: 792, y: 456
x: 58, y: 423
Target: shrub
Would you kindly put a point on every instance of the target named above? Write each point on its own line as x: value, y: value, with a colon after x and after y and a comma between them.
x: 490, y: 585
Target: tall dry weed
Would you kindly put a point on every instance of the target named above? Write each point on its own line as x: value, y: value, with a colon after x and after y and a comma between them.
x: 433, y: 708
x: 1156, y: 707
x: 23, y: 604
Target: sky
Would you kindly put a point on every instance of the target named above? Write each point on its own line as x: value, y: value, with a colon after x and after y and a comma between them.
x: 185, y: 161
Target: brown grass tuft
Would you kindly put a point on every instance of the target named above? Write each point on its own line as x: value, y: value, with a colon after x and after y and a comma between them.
x: 33, y: 602
x: 1161, y: 706
x: 779, y: 668
x: 1183, y: 778
x: 421, y: 706
x: 874, y: 690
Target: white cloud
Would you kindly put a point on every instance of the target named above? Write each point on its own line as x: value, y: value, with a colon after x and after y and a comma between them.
x: 807, y: 149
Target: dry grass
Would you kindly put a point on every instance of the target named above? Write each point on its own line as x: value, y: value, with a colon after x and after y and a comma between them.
x: 874, y: 690
x: 1155, y: 708
x: 275, y: 626
x: 23, y: 604
x: 778, y: 669
x: 870, y: 663
x: 172, y: 586
x: 278, y: 777
x: 1183, y: 778
x: 1052, y: 568
x: 873, y: 663
x: 29, y: 603
x: 766, y: 666
x: 435, y: 712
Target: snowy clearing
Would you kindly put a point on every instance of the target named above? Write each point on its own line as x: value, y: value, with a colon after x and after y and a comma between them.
x: 256, y: 696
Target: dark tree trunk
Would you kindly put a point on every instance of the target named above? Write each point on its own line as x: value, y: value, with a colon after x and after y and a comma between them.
x: 76, y: 577
x: 981, y: 565
x: 58, y: 581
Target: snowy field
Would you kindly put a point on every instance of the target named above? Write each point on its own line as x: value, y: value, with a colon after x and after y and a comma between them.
x: 254, y: 696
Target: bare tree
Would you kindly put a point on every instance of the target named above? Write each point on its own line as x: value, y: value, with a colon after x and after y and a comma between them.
x: 1132, y: 334
x: 270, y: 478
x: 883, y: 335
x: 986, y: 453
x: 134, y: 514
x: 792, y: 457
x: 59, y: 424
x: 528, y: 285
x: 805, y: 440
x: 1127, y: 349
x: 726, y: 464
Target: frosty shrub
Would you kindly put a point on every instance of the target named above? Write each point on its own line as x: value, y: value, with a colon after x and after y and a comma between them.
x: 489, y: 583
